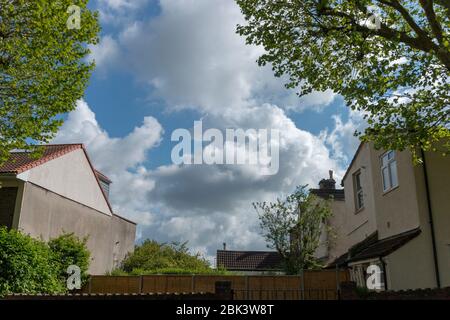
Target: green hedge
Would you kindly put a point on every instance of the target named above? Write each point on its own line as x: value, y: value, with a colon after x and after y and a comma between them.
x: 28, y: 265
x: 152, y: 257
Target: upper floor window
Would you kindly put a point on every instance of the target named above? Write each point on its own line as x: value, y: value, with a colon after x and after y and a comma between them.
x: 359, y: 198
x: 389, y: 171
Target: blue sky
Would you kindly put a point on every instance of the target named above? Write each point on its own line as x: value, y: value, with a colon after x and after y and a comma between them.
x: 161, y: 65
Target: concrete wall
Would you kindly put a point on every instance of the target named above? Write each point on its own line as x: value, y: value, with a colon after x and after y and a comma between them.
x: 70, y: 176
x: 438, y: 168
x: 123, y: 236
x: 411, y: 266
x: 46, y: 214
x: 397, y: 210
x: 338, y: 242
x: 358, y: 224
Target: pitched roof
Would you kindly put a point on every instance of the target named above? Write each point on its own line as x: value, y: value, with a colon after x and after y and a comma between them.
x: 354, y: 250
x: 351, y: 162
x: 21, y: 161
x: 385, y: 246
x: 372, y: 247
x: 336, y: 194
x: 249, y: 260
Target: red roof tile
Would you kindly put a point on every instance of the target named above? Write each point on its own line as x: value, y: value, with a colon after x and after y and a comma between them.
x: 21, y: 161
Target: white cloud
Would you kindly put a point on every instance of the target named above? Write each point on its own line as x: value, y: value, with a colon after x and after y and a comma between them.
x: 105, y: 53
x: 191, y: 58
x: 119, y: 158
x: 118, y: 12
x: 341, y: 139
x: 206, y: 205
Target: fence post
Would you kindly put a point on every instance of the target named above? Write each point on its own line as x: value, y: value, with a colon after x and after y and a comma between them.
x: 193, y: 283
x: 223, y: 290
x: 302, y: 283
x: 247, y: 288
x: 141, y: 283
x: 338, y: 284
x: 90, y: 285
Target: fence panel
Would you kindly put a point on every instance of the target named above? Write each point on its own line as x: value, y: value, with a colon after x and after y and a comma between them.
x: 321, y: 285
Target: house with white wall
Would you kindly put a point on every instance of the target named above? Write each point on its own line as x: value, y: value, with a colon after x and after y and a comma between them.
x: 61, y: 192
x: 396, y: 216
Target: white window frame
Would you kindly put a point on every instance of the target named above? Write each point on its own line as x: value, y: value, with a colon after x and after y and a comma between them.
x: 358, y: 192
x: 387, y: 165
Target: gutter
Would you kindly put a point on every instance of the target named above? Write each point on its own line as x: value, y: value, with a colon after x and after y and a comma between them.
x: 430, y: 219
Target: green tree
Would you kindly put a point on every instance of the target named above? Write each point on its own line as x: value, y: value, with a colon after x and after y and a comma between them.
x: 67, y: 250
x: 42, y: 67
x: 388, y: 58
x: 26, y: 265
x: 293, y: 227
x: 153, y: 257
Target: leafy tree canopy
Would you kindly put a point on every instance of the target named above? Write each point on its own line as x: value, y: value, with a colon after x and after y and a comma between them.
x: 42, y: 67
x: 293, y: 227
x: 389, y: 59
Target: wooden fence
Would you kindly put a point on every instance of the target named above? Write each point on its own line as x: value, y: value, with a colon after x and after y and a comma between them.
x: 323, y: 285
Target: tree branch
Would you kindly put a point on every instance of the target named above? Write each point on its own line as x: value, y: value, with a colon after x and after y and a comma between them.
x: 408, y: 18
x: 427, y: 6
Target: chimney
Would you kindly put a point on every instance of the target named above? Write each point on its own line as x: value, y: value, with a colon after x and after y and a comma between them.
x: 328, y: 183
x: 224, y: 246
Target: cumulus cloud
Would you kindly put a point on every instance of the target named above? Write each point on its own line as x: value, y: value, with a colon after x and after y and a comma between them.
x: 119, y: 158
x: 341, y: 139
x: 118, y: 12
x: 191, y: 58
x: 105, y: 53
x: 215, y: 201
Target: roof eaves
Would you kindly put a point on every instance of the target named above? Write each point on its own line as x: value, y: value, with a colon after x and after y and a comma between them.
x: 96, y: 178
x: 351, y: 162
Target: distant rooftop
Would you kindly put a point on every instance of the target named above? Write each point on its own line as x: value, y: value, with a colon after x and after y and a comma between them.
x: 327, y: 189
x: 249, y: 260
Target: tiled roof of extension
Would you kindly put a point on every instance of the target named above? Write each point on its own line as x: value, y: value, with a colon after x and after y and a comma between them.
x: 371, y: 247
x: 385, y: 246
x: 249, y: 260
x: 21, y: 161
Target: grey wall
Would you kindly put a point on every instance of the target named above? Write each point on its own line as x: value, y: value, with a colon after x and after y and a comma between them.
x: 46, y: 214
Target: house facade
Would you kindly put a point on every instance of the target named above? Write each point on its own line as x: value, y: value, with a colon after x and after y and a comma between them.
x: 396, y: 216
x: 62, y: 192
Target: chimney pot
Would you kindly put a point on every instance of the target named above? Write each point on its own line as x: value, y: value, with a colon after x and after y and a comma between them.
x: 224, y: 246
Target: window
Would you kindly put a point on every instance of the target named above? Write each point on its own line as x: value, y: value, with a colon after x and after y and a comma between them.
x: 359, y: 198
x: 389, y: 171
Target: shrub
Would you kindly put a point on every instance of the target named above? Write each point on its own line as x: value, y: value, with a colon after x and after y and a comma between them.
x: 26, y: 265
x: 152, y: 257
x: 68, y: 250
